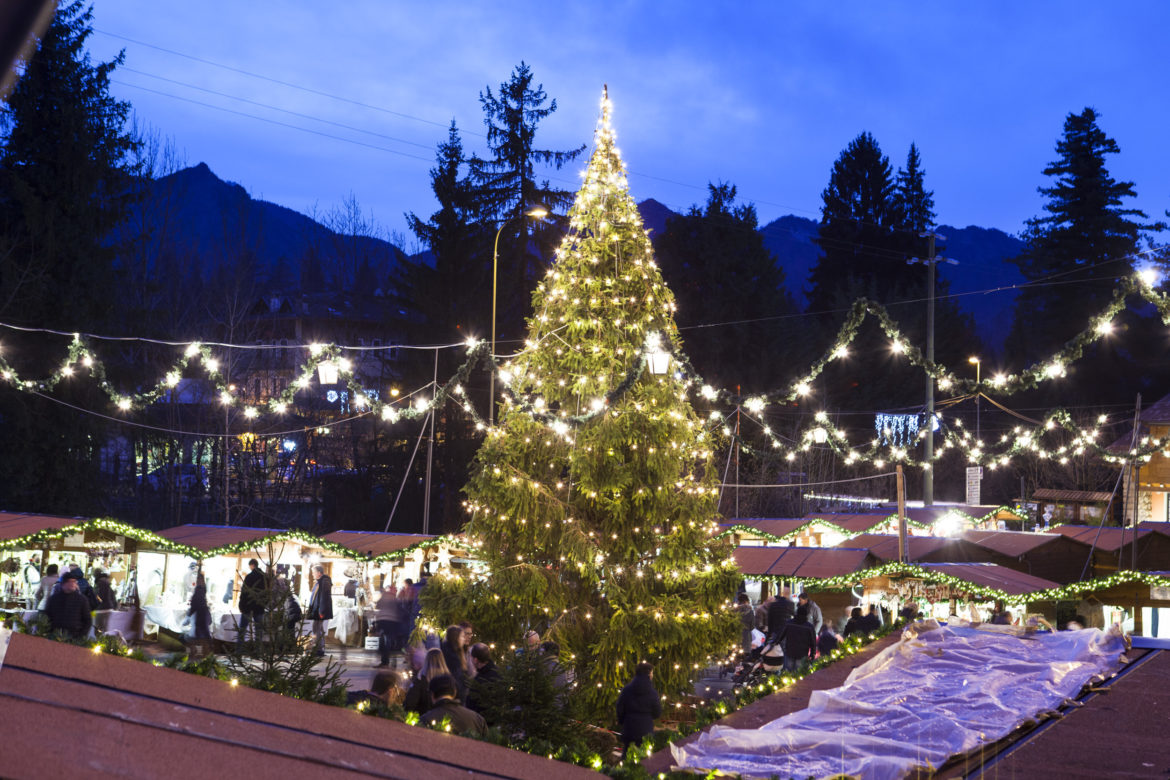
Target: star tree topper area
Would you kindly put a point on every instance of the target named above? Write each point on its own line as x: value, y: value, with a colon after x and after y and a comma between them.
x: 595, y: 514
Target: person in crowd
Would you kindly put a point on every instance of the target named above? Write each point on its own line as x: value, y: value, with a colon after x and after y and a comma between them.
x: 447, y: 708
x: 252, y: 595
x: 909, y: 613
x: 46, y: 587
x: 455, y: 656
x: 285, y: 600
x: 32, y: 578
x: 872, y: 620
x: 68, y: 610
x: 779, y: 613
x: 531, y: 640
x: 486, y: 674
x: 855, y: 624
x: 815, y: 618
x: 637, y: 706
x: 385, y: 688
x: 320, y: 605
x: 198, y: 610
x: 999, y: 615
x: 407, y: 610
x: 799, y: 639
x: 83, y: 586
x: 418, y: 698
x: 827, y: 640
x: 389, y: 617
x: 105, y: 593
x: 747, y: 621
x: 468, y: 641
x: 762, y: 614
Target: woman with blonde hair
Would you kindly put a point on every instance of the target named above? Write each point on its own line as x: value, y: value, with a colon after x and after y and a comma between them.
x: 418, y: 698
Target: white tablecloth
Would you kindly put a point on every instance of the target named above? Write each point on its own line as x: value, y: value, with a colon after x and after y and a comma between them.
x: 170, y: 618
x: 346, y: 624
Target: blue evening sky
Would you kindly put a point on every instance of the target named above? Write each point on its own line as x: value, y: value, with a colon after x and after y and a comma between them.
x: 761, y: 94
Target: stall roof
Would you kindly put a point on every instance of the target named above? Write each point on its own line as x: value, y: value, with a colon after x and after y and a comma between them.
x: 1158, y: 528
x: 990, y: 575
x: 1013, y: 543
x: 885, y: 546
x: 779, y: 527
x: 1107, y: 538
x: 132, y: 719
x: 14, y: 525
x: 210, y: 537
x: 800, y: 562
x: 1076, y: 496
x: 930, y: 515
x: 853, y: 523
x: 374, y: 543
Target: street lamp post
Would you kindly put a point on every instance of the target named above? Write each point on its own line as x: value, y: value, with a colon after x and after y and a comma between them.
x: 536, y: 212
x: 976, y: 362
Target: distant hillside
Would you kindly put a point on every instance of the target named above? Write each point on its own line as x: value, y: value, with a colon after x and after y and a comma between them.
x: 982, y: 280
x: 203, y: 222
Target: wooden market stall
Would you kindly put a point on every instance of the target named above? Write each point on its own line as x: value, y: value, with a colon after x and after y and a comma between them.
x: 30, y: 543
x: 766, y: 569
x: 1053, y: 557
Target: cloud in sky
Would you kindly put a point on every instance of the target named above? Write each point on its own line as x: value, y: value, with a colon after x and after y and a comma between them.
x: 764, y: 95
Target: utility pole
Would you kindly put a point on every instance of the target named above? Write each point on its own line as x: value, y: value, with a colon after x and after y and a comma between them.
x: 901, y: 491
x: 928, y: 453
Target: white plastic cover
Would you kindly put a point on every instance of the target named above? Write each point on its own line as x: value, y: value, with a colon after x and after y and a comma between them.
x: 939, y: 691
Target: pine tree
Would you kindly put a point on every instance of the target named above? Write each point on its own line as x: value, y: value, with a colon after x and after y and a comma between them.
x: 598, y: 532
x: 506, y: 186
x: 915, y: 202
x: 447, y: 298
x: 1083, y: 244
x: 64, y: 174
x: 721, y: 272
x: 861, y: 254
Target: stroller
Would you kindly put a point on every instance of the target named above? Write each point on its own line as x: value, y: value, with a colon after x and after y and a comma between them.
x: 764, y: 660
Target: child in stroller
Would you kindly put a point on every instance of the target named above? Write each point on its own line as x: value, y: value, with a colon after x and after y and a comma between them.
x: 764, y: 660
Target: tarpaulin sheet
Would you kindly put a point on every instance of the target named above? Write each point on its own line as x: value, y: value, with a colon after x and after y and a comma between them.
x: 939, y: 691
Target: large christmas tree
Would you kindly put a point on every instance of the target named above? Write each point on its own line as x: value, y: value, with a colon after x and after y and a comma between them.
x: 593, y: 500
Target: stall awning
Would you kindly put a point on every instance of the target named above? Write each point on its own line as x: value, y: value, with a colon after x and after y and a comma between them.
x: 371, y: 544
x: 17, y: 525
x: 990, y: 575
x: 1012, y: 543
x: 800, y: 562
x: 210, y: 537
x: 775, y: 529
x: 1108, y: 539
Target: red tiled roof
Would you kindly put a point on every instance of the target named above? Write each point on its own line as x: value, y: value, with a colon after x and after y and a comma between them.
x: 1107, y: 538
x: 373, y: 543
x: 209, y: 537
x: 116, y: 716
x: 800, y: 562
x: 14, y: 525
x: 1158, y: 528
x: 991, y: 575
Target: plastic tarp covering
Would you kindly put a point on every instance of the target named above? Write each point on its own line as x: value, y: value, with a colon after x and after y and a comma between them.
x: 939, y: 691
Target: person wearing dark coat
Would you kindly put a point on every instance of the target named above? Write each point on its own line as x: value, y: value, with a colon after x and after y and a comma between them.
x: 446, y: 707
x: 105, y: 594
x: 855, y: 624
x: 68, y: 610
x: 321, y: 605
x: 779, y: 613
x: 872, y: 621
x: 637, y: 706
x: 198, y: 610
x: 486, y: 674
x: 251, y: 601
x: 800, y: 641
x: 827, y: 640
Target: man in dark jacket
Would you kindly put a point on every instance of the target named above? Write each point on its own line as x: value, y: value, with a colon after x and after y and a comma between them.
x: 637, y: 706
x: 855, y: 624
x: 252, y: 596
x: 320, y: 605
x: 487, y: 674
x: 872, y: 620
x: 68, y: 610
x: 460, y: 719
x: 779, y: 613
x: 800, y: 641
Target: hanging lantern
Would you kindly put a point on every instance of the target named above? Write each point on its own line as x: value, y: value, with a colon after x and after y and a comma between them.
x: 327, y: 372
